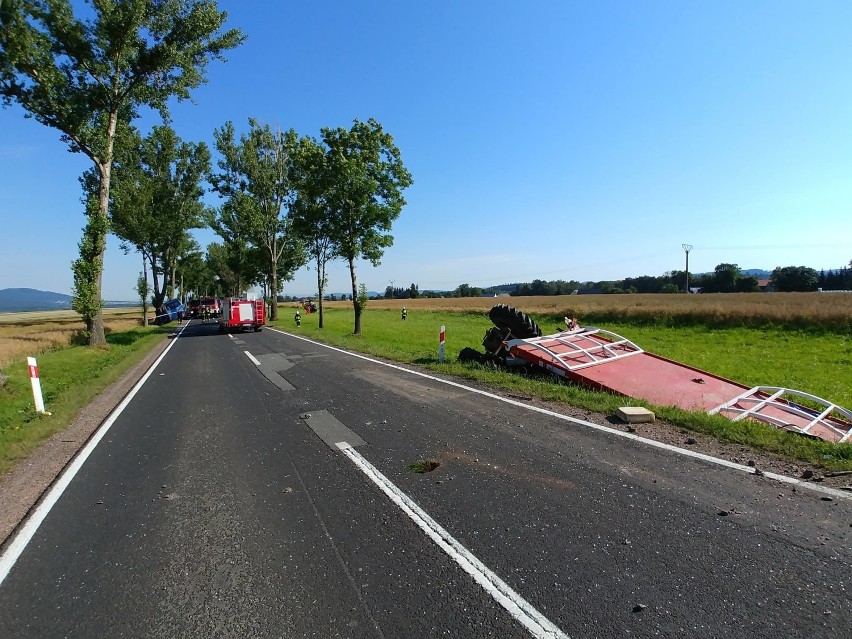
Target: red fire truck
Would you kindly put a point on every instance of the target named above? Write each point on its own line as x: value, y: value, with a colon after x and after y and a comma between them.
x: 238, y: 314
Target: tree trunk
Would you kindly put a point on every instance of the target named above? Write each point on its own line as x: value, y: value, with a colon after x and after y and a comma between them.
x: 320, y: 288
x: 356, y: 303
x: 273, y: 296
x: 97, y: 337
x: 273, y: 281
x: 145, y: 296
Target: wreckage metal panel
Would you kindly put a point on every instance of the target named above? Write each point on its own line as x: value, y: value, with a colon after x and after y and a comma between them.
x: 612, y: 363
x: 779, y: 407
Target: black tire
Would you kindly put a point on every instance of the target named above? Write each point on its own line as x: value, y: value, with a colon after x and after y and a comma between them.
x: 517, y: 323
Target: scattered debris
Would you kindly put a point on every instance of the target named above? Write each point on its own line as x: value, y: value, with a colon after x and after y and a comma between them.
x: 839, y: 473
x: 639, y: 607
x: 635, y: 415
x: 691, y: 441
x: 808, y: 474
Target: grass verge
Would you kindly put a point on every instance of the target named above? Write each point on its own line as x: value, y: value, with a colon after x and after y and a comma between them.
x: 815, y: 362
x: 70, y: 378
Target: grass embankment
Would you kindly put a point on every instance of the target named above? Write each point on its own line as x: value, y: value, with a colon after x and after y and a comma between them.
x: 71, y: 376
x: 803, y: 343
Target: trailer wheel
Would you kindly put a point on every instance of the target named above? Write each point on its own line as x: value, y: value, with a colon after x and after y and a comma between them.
x: 513, y: 320
x: 257, y: 329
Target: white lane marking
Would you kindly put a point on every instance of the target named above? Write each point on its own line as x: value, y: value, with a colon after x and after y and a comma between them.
x: 16, y: 548
x: 523, y: 611
x: 231, y: 336
x: 606, y: 429
x: 252, y: 358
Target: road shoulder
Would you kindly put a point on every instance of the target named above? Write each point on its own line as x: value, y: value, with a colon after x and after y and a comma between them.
x: 24, y: 484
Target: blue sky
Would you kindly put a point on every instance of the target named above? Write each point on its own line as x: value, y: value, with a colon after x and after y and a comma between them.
x: 551, y: 140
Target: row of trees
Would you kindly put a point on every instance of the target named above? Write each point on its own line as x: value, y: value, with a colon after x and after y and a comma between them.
x: 285, y: 199
x: 725, y: 278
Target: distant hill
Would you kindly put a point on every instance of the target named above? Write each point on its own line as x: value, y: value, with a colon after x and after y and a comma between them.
x: 759, y: 273
x: 20, y: 300
x: 17, y: 300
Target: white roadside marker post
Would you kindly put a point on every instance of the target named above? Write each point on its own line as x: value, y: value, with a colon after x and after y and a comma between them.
x: 36, y: 384
x: 441, y: 347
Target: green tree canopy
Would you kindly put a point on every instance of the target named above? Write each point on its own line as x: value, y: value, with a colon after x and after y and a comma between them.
x: 313, y: 220
x: 794, y: 278
x: 84, y: 77
x: 256, y: 174
x: 156, y: 198
x: 366, y: 178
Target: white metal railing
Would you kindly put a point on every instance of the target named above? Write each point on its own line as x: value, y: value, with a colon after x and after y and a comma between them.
x: 613, y: 347
x: 772, y: 397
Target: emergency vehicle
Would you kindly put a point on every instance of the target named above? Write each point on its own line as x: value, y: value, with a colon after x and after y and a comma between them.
x: 239, y: 314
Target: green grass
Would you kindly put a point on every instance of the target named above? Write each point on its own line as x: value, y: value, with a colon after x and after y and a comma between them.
x: 816, y: 362
x: 70, y: 379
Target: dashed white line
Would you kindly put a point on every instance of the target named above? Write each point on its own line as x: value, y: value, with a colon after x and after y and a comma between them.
x: 536, y: 624
x: 254, y: 360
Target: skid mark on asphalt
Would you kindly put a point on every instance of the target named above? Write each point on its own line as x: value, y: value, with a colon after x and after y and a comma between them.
x: 448, y: 458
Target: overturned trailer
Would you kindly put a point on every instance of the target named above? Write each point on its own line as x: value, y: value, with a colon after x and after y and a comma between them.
x: 603, y: 360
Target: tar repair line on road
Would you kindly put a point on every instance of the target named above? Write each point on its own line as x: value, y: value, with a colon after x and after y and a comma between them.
x: 606, y: 429
x: 523, y: 612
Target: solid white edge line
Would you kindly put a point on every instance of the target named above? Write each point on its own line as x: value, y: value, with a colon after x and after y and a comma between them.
x: 523, y: 612
x: 606, y: 429
x: 253, y: 359
x: 28, y: 530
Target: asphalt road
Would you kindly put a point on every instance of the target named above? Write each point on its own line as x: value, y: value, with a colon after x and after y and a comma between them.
x: 219, y: 505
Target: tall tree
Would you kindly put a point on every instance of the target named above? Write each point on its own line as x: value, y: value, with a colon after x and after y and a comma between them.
x: 256, y: 175
x: 794, y: 278
x: 725, y: 278
x: 156, y: 199
x: 366, y: 180
x: 83, y: 77
x: 312, y: 219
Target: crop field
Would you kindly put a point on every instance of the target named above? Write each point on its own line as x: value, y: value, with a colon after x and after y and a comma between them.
x: 31, y: 334
x: 813, y: 311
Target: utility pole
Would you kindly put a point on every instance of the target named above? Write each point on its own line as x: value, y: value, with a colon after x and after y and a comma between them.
x: 686, y: 249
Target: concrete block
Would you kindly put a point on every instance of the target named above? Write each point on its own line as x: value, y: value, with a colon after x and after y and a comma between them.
x: 634, y: 415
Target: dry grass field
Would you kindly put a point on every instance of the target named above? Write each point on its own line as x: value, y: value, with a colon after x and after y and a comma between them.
x: 30, y: 334
x: 832, y: 311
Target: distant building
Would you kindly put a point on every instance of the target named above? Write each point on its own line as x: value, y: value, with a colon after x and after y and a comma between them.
x: 765, y: 284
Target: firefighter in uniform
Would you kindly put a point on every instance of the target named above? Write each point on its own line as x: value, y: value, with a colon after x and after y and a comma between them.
x: 298, y: 318
x: 404, y: 313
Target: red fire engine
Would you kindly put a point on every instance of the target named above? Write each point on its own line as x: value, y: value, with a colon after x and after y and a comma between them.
x: 238, y: 314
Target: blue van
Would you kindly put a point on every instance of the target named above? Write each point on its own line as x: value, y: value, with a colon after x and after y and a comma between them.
x: 170, y: 311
